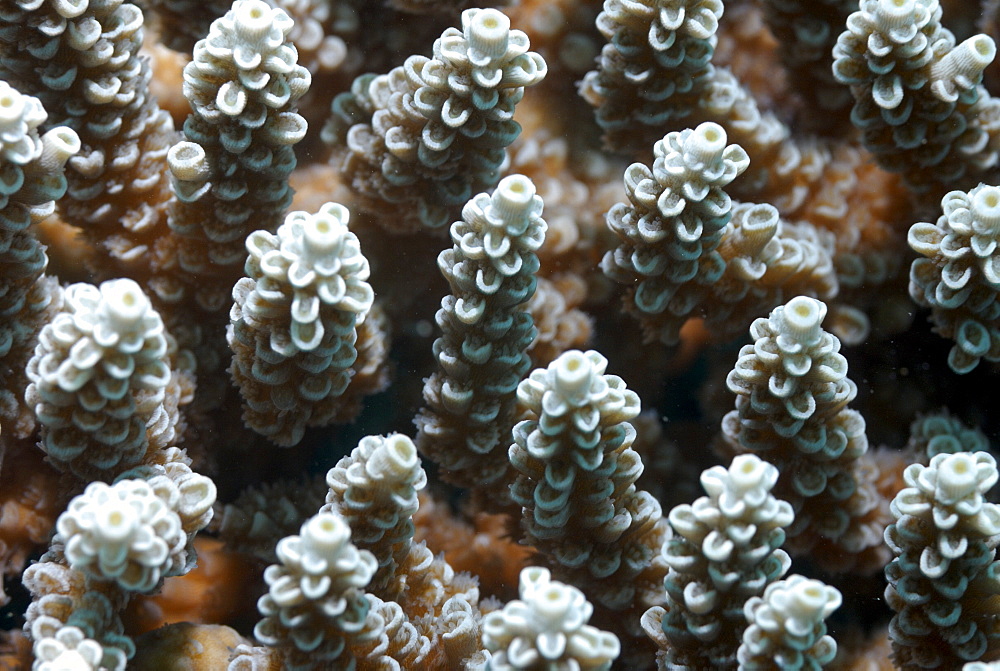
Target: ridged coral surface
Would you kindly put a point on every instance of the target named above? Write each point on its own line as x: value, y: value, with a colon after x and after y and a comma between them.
x: 31, y: 164
x: 125, y: 533
x: 918, y: 98
x: 294, y: 322
x: 786, y: 626
x: 944, y: 538
x: 438, y: 127
x: 656, y: 62
x: 671, y: 229
x: 791, y: 406
x: 576, y: 474
x: 486, y: 331
x: 725, y: 550
x: 230, y: 174
x: 315, y: 597
x: 547, y: 628
x: 959, y: 274
x: 98, y: 378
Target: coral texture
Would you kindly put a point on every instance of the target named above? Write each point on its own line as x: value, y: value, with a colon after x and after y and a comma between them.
x: 99, y: 378
x: 32, y: 167
x: 725, y: 550
x: 944, y: 538
x: 316, y: 594
x: 123, y: 532
x: 547, y: 628
x: 959, y: 276
x: 485, y: 332
x: 435, y: 130
x: 631, y: 186
x: 230, y: 175
x: 655, y: 65
x: 375, y: 490
x: 294, y: 323
x: 81, y: 59
x: 791, y: 406
x: 672, y: 228
x: 786, y: 628
x: 576, y: 474
x: 918, y: 98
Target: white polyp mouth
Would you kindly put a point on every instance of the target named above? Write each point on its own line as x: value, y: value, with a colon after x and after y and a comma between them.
x: 896, y: 8
x: 986, y: 203
x: 984, y: 46
x: 253, y: 19
x: 573, y: 375
x: 325, y: 530
x: 321, y: 234
x: 714, y: 136
x: 513, y: 197
x: 491, y: 24
x: 188, y: 161
x: 745, y: 471
x: 957, y: 476
x: 126, y: 302
x: 572, y: 367
x: 118, y: 523
x: 895, y: 14
x: 553, y: 601
x: 402, y: 448
x: 802, y: 314
x: 518, y: 188
x: 489, y: 32
x: 706, y: 143
x: 11, y: 105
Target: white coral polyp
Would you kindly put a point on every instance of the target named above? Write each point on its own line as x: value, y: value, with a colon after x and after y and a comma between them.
x: 320, y: 562
x: 703, y: 148
x: 68, y: 650
x: 497, y: 232
x: 952, y: 488
x: 899, y: 20
x: 798, y: 604
x: 20, y: 116
x: 689, y: 163
x: 547, y: 627
x: 122, y: 532
x: 248, y: 46
x: 971, y: 222
x: 575, y: 378
x: 123, y: 311
x: 112, y: 331
x: 514, y: 204
x: 488, y: 33
x: 312, y: 261
x: 380, y: 462
x: 985, y: 206
x: 744, y: 486
x: 790, y: 615
x: 799, y: 323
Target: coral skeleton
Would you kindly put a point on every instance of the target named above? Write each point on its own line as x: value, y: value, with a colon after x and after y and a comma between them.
x: 786, y: 628
x: 485, y: 332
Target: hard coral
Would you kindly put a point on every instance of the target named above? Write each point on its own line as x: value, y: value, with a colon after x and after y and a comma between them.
x: 752, y: 191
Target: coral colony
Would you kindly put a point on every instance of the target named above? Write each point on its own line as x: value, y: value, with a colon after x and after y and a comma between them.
x: 554, y: 336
